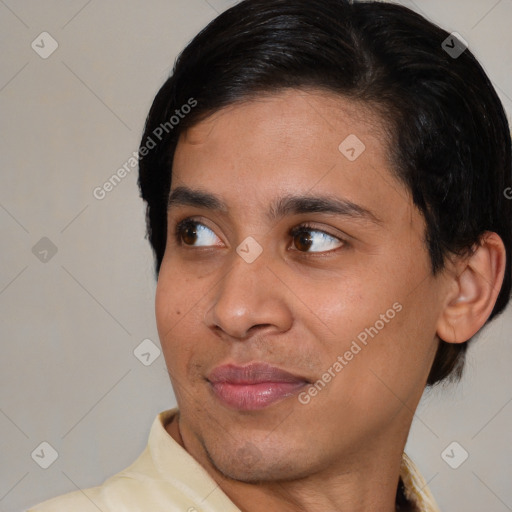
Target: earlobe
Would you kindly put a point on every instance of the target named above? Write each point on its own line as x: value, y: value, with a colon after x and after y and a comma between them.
x: 475, y: 286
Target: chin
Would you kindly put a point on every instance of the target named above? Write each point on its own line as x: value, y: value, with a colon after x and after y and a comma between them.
x: 250, y: 464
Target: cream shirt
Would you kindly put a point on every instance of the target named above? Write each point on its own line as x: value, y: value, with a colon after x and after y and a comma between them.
x: 166, y: 478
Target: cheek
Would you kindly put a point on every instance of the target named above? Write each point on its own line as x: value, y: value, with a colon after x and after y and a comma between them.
x: 346, y: 305
x: 178, y: 315
x: 166, y: 310
x: 385, y: 324
x: 392, y: 367
x: 171, y: 307
x: 174, y: 298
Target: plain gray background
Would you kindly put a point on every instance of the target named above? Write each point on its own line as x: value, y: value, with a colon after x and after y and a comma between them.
x: 70, y: 321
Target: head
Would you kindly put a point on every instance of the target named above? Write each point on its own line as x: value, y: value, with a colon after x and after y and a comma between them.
x: 263, y: 105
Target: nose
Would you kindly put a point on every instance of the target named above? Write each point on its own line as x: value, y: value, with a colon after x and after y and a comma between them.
x: 250, y: 298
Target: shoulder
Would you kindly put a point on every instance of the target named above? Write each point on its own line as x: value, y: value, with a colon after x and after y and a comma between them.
x: 115, y: 493
x: 119, y: 491
x: 163, y: 477
x: 87, y: 500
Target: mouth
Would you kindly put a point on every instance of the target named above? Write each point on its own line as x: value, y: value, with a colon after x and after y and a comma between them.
x: 254, y: 386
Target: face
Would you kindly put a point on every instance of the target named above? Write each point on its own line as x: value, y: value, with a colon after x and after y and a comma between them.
x: 296, y: 308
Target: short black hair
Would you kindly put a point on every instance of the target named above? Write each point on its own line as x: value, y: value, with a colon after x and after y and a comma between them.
x: 451, y: 142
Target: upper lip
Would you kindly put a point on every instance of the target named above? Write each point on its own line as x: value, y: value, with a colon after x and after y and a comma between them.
x: 253, y: 373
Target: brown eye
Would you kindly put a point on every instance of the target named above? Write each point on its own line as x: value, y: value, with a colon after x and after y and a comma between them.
x: 303, y: 241
x: 188, y: 233
x: 305, y: 236
x: 195, y: 234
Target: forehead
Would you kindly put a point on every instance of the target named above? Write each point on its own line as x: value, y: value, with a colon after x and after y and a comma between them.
x: 294, y: 141
x: 297, y: 118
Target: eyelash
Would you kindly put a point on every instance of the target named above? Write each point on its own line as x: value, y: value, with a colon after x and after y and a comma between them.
x: 293, y: 232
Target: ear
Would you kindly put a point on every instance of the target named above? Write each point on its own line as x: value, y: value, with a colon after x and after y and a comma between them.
x: 474, y: 287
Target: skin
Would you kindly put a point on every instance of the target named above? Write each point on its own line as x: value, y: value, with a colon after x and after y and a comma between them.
x: 300, y: 310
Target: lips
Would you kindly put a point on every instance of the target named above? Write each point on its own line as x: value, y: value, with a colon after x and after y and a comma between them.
x: 254, y: 386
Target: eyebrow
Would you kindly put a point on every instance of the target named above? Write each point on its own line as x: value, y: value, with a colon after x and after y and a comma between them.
x: 286, y: 205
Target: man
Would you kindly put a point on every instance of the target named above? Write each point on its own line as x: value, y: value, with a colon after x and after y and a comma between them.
x: 325, y: 199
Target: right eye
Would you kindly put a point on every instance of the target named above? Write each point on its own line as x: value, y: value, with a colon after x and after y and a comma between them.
x: 194, y: 234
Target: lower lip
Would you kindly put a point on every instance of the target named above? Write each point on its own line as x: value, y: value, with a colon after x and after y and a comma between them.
x: 251, y: 397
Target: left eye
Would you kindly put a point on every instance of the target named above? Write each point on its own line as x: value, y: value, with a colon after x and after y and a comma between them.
x: 305, y: 237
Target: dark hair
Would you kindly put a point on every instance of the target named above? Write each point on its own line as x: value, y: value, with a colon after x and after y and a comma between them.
x: 450, y: 136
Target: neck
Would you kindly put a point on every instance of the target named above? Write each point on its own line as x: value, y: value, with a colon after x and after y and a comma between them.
x: 366, y: 480
x: 354, y: 491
